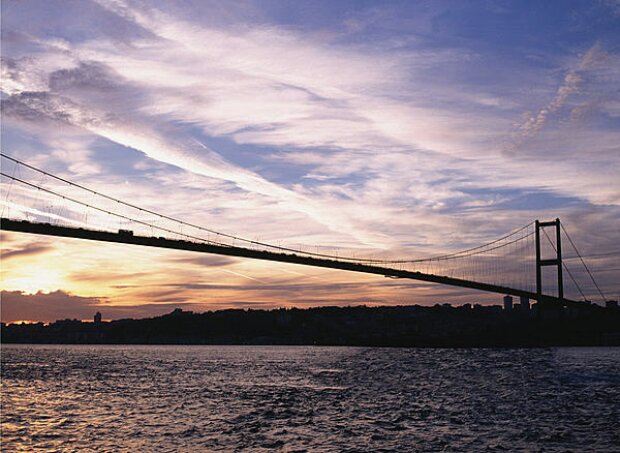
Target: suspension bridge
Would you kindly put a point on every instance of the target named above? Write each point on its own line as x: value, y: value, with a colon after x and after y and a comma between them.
x: 38, y: 202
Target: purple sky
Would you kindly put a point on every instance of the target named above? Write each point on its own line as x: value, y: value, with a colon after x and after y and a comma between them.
x: 389, y: 129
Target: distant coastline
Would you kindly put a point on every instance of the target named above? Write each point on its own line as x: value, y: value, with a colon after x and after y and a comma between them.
x: 405, y: 326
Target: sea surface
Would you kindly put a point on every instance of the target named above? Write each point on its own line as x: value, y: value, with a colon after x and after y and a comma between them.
x: 320, y: 399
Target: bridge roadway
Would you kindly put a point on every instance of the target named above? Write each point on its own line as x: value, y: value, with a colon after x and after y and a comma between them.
x: 24, y: 226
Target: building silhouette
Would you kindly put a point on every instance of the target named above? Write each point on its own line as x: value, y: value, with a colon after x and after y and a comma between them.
x: 405, y: 326
x: 525, y: 303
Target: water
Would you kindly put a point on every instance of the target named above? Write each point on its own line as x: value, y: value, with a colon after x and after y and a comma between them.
x: 233, y: 398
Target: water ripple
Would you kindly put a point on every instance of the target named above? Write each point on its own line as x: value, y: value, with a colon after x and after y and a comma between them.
x: 294, y: 399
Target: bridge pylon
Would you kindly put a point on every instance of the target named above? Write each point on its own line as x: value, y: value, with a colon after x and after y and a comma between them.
x: 557, y: 261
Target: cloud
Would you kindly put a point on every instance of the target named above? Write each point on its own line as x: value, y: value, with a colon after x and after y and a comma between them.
x: 35, y: 248
x: 240, y: 88
x: 535, y: 123
x: 185, y: 153
x: 17, y: 305
x: 204, y: 261
x: 573, y: 79
x: 49, y: 307
x: 105, y: 276
x: 6, y: 236
x: 91, y: 76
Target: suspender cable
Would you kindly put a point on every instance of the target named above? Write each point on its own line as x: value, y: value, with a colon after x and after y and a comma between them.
x: 584, y: 263
x: 566, y: 268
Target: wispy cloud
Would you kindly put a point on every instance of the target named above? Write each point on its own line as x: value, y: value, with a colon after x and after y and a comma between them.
x: 571, y: 84
x: 31, y: 249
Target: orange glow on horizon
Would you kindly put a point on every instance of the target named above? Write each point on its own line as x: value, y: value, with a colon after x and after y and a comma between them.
x: 131, y: 281
x: 25, y: 321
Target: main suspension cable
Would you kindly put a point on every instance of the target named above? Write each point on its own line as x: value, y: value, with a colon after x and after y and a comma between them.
x: 456, y: 255
x: 583, y: 262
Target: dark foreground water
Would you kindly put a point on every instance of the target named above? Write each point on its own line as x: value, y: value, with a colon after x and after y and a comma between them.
x: 232, y: 398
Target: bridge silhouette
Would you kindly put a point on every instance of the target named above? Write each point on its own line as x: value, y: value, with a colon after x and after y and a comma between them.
x: 38, y: 202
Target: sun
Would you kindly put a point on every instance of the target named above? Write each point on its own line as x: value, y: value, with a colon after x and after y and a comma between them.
x: 33, y: 279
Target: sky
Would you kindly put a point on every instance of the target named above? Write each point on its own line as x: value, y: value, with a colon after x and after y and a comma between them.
x: 373, y: 128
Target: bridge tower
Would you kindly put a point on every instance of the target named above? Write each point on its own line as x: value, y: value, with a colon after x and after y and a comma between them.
x: 557, y: 261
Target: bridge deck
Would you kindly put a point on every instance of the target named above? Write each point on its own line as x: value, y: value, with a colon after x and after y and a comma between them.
x: 80, y: 233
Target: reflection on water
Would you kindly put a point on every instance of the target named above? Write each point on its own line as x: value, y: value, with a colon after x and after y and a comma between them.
x: 214, y: 398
